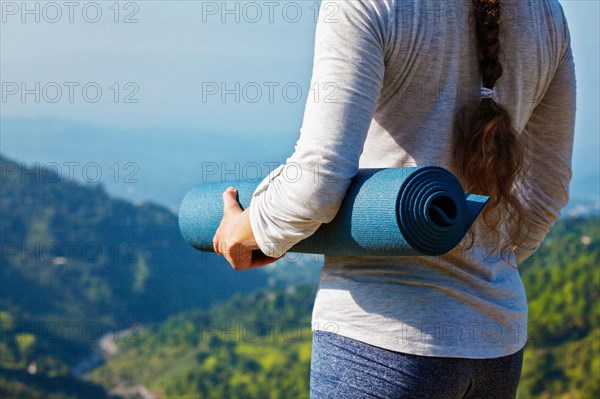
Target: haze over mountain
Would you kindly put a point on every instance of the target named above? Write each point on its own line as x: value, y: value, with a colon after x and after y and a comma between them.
x: 160, y: 166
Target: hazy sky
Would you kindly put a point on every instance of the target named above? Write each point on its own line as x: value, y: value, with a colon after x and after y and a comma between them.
x: 163, y: 64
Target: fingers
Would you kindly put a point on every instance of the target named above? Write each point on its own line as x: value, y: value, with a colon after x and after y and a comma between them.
x: 215, y: 241
x: 242, y: 258
x: 234, y: 239
x: 216, y: 246
x: 260, y: 259
x: 239, y: 257
x: 230, y: 202
x: 230, y: 206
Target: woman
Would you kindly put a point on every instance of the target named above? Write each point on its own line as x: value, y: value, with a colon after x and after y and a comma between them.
x: 485, y: 88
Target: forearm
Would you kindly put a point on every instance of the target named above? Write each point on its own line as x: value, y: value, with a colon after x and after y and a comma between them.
x: 549, y: 137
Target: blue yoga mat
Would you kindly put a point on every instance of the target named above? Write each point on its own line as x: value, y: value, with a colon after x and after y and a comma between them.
x: 391, y: 212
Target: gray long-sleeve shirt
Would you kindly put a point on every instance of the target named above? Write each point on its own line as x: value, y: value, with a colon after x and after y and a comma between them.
x: 396, y: 73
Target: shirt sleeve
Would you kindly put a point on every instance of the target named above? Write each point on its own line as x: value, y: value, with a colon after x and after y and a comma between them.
x: 549, y: 135
x: 348, y: 69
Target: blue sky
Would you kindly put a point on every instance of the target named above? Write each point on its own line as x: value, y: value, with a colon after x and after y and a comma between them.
x: 150, y: 72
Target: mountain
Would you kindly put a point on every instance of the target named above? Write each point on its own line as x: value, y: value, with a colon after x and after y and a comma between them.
x: 258, y: 346
x: 71, y: 251
x: 81, y: 270
x: 77, y: 264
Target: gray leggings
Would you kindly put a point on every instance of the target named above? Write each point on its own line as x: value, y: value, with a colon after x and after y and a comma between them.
x: 345, y: 368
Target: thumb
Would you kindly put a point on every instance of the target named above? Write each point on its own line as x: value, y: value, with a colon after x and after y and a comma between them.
x: 230, y: 203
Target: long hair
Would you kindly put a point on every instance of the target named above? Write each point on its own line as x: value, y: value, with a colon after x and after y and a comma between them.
x: 489, y: 153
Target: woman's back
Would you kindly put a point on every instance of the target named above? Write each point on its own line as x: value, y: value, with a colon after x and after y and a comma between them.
x: 431, y: 72
x: 402, y: 71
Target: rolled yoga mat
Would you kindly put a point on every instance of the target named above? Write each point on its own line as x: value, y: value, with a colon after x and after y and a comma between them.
x: 386, y: 212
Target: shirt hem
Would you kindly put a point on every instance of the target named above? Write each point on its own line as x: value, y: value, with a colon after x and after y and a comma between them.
x: 416, y: 348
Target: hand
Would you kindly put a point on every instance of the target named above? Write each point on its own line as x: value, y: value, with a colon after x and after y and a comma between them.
x: 234, y: 238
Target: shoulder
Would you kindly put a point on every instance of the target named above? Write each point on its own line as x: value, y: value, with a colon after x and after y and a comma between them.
x: 359, y: 11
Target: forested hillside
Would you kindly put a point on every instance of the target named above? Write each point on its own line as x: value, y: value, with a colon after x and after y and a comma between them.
x: 259, y: 346
x: 563, y: 287
x: 77, y: 264
x: 255, y: 346
x: 80, y: 270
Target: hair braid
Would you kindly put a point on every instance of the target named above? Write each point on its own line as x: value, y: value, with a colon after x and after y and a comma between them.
x: 488, y: 151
